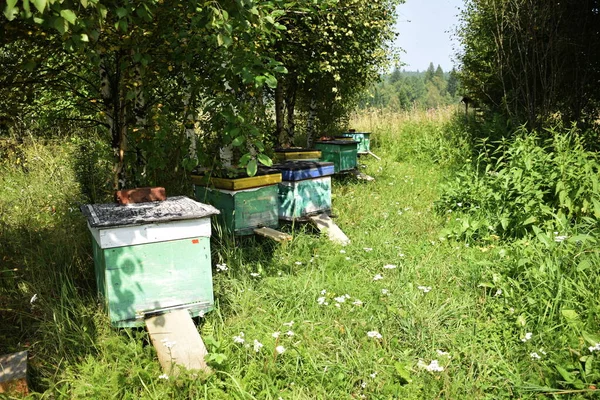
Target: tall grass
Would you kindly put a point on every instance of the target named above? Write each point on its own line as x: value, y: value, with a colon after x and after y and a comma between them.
x: 474, y: 300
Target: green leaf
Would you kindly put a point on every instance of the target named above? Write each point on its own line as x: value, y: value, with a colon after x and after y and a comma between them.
x: 271, y: 81
x: 252, y: 167
x: 590, y: 338
x: 238, y: 141
x: 121, y: 12
x: 565, y: 374
x: 265, y: 160
x: 10, y: 11
x: 40, y: 5
x: 69, y: 15
x: 403, y: 372
x: 61, y: 25
x: 84, y: 3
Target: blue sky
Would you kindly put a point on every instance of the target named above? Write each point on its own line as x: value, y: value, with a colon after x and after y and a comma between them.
x: 425, y: 29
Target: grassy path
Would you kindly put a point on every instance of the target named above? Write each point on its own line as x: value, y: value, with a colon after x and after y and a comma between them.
x: 396, y: 314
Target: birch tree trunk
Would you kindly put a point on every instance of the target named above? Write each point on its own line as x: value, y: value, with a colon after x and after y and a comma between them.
x: 310, y: 122
x: 279, y: 133
x: 290, y: 104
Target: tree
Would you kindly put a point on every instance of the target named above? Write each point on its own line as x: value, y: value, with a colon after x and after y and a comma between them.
x: 532, y: 60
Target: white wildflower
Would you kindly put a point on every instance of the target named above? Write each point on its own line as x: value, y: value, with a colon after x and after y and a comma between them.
x: 280, y: 349
x: 363, y: 385
x: 498, y: 293
x: 239, y: 339
x: 527, y: 337
x: 257, y: 345
x: 254, y: 274
x: 33, y: 298
x: 594, y: 348
x: 433, y: 366
x: 425, y: 289
x: 378, y: 277
x: 390, y: 266
x: 222, y: 267
x: 290, y: 324
x: 322, y: 302
x: 276, y: 334
x: 298, y: 263
x: 357, y: 302
x: 163, y: 376
x: 443, y: 353
x: 323, y: 291
x: 289, y: 333
x: 385, y: 292
x: 374, y: 334
x: 373, y: 375
x: 343, y: 251
x: 560, y: 238
x: 340, y: 299
x: 367, y: 249
x: 338, y: 305
x: 401, y: 254
x: 535, y: 356
x: 347, y: 258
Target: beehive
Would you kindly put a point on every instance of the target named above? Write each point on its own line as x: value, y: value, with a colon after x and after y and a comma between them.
x: 305, y: 189
x: 363, y: 139
x: 152, y: 257
x: 343, y: 153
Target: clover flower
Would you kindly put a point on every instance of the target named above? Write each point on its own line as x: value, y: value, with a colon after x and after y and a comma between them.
x: 298, y: 263
x: 290, y: 333
x: 290, y: 324
x: 254, y: 274
x: 378, y: 277
x: 443, y: 353
x: 373, y: 375
x: 390, y: 266
x: 357, y: 302
x: 340, y: 299
x: 594, y: 348
x: 535, y: 356
x: 322, y: 302
x: 343, y: 251
x: 280, y: 349
x: 367, y: 249
x: 425, y: 289
x: 385, y: 292
x: 276, y: 334
x: 163, y: 376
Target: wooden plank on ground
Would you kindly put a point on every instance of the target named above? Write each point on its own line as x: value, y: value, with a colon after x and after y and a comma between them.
x: 13, y: 373
x: 371, y: 154
x: 177, y: 342
x: 361, y: 175
x: 273, y: 234
x: 326, y: 224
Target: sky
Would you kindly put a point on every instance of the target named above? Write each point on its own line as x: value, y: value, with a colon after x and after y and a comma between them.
x: 424, y: 32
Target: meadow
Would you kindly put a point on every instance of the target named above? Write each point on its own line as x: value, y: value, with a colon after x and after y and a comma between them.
x: 418, y: 306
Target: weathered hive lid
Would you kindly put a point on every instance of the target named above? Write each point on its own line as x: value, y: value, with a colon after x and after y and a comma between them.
x: 300, y: 169
x: 339, y: 141
x: 171, y: 209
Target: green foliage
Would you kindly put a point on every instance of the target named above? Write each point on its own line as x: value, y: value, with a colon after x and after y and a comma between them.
x: 533, y: 62
x: 524, y: 184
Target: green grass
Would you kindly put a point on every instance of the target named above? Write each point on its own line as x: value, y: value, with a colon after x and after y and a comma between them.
x: 75, y: 354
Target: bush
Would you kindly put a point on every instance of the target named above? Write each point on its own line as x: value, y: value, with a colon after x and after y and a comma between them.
x: 523, y: 183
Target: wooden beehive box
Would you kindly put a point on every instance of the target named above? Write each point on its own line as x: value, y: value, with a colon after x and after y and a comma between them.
x: 297, y: 154
x: 305, y: 189
x: 363, y: 139
x: 244, y: 206
x: 343, y: 153
x: 152, y: 258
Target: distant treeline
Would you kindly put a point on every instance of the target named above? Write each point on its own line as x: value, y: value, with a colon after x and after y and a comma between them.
x: 403, y: 90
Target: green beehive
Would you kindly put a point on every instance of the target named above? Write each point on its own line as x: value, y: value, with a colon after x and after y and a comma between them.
x: 242, y: 211
x: 363, y: 139
x: 343, y: 153
x: 152, y: 258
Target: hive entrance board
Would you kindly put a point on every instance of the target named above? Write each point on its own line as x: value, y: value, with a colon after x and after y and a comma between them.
x: 177, y: 342
x: 326, y: 225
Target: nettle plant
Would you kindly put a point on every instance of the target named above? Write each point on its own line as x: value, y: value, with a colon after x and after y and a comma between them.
x: 519, y: 184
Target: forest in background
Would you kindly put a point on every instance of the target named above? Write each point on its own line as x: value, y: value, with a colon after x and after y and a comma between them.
x: 406, y: 90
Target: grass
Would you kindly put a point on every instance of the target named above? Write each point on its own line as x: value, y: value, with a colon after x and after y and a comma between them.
x: 75, y: 354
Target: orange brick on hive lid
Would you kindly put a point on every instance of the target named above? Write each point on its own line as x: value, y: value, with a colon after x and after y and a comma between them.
x: 140, y: 195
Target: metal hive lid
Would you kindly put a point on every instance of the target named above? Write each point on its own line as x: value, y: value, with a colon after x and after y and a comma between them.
x: 171, y: 209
